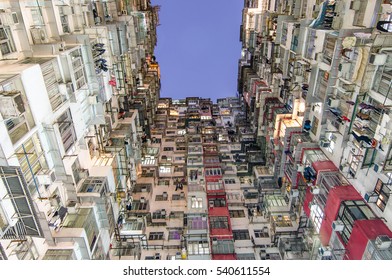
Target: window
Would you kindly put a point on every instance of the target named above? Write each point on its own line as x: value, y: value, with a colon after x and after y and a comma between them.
x: 198, y: 247
x: 217, y: 202
x: 155, y: 236
x: 237, y: 213
x: 261, y: 233
x: 219, y: 223
x: 180, y: 196
x: 168, y: 149
x: 214, y: 186
x: 197, y: 222
x: 163, y: 183
x: 76, y: 171
x: 213, y: 172
x: 33, y: 158
x: 316, y: 215
x: 229, y: 181
x: 241, y: 234
x: 37, y: 17
x: 164, y: 169
x: 196, y: 202
x: 212, y: 160
x: 141, y: 206
x: 7, y: 44
x: 349, y: 212
x: 249, y: 256
x: 52, y: 254
x: 223, y: 247
x: 315, y: 123
x: 78, y: 68
x: 52, y: 75
x: 383, y: 192
x: 174, y: 235
x: 368, y: 159
x: 161, y: 197
x: 67, y: 130
x: 332, y: 142
x: 160, y: 214
x: 178, y: 169
x: 354, y: 161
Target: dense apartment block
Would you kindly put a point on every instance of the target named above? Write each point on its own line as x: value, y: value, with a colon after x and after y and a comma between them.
x: 95, y: 164
x: 78, y: 80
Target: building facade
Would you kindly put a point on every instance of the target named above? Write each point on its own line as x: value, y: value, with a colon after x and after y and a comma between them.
x: 94, y: 164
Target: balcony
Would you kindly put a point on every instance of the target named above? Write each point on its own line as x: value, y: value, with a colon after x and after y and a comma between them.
x: 83, y: 227
x: 282, y: 223
x: 196, y: 223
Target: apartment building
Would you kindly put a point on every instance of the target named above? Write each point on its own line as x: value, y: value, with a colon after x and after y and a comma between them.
x: 73, y: 74
x: 95, y: 164
x: 322, y: 122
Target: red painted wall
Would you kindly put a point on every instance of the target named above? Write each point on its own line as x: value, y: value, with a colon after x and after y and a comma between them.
x: 363, y: 231
x: 335, y: 197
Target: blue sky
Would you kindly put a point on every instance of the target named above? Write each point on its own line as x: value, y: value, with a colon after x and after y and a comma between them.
x: 198, y: 47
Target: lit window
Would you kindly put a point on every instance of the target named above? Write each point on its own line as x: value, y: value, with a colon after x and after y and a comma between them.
x: 316, y: 214
x: 164, y: 169
x: 197, y: 202
x: 383, y: 192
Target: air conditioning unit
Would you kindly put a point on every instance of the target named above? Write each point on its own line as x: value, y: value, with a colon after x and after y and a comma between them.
x: 66, y: 89
x: 298, y: 79
x: 142, y: 200
x: 334, y: 103
x: 337, y: 226
x: 355, y: 5
x: 277, y: 60
x: 8, y: 17
x: 378, y: 58
x: 214, y: 241
x: 93, y: 100
x: 324, y: 143
x: 315, y: 190
x: 67, y: 10
x: 72, y: 207
x: 39, y: 35
x: 300, y: 168
x: 294, y: 193
x: 383, y: 242
x: 371, y: 197
x: 46, y: 177
x: 11, y: 104
x: 325, y: 251
x: 211, y: 204
x: 8, y: 215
